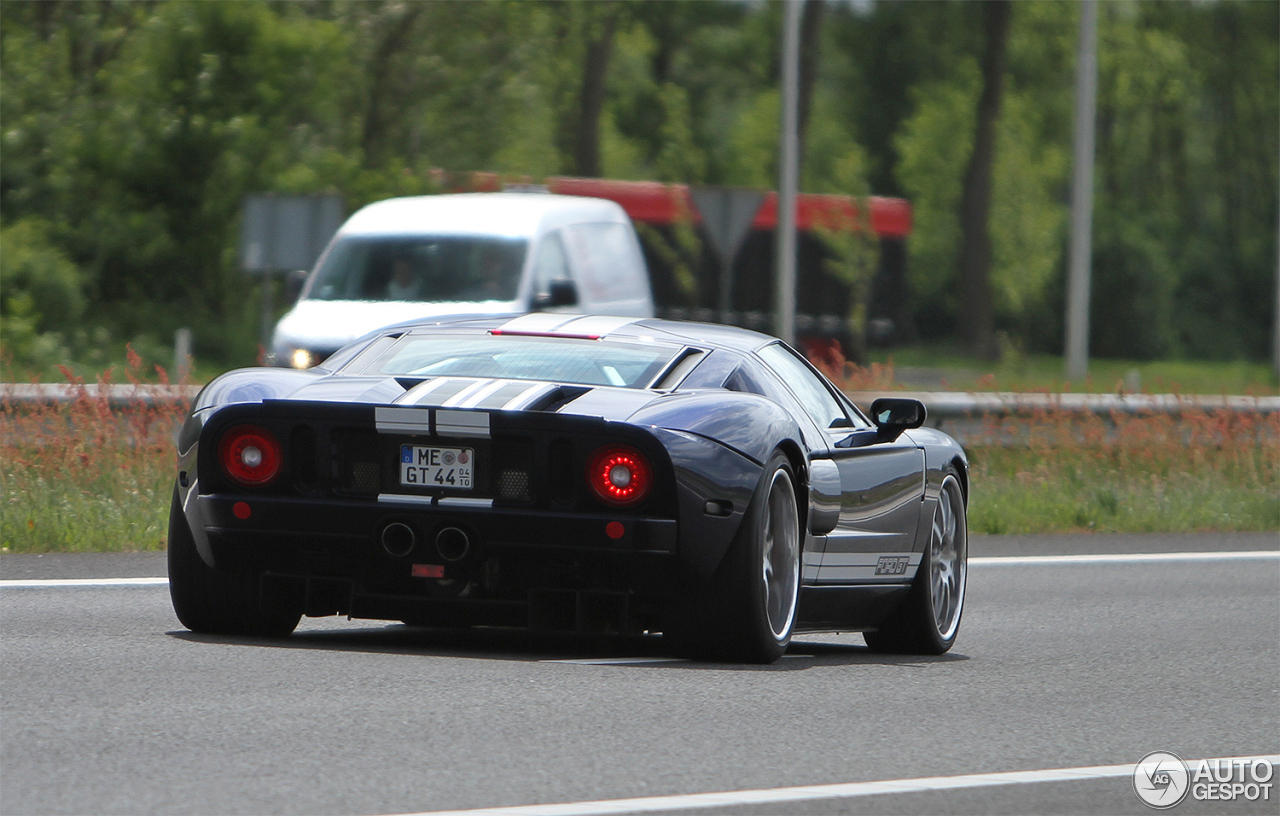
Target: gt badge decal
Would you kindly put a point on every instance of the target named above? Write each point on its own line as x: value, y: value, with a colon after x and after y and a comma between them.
x: 892, y: 564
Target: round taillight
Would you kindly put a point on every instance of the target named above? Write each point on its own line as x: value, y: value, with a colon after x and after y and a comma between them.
x: 619, y: 474
x: 250, y: 455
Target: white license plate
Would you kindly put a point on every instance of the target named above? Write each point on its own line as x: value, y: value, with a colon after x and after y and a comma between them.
x: 423, y: 466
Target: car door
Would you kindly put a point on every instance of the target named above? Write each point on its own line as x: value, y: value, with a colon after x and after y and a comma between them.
x: 881, y: 481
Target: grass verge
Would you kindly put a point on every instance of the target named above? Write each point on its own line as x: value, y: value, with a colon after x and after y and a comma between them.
x: 1059, y: 471
x: 81, y: 477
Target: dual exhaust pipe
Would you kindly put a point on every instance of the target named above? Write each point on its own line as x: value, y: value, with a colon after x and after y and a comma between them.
x: 452, y: 543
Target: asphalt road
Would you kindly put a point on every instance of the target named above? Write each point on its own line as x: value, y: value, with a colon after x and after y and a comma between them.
x: 108, y: 706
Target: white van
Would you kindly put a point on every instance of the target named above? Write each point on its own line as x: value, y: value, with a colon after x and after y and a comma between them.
x: 471, y: 253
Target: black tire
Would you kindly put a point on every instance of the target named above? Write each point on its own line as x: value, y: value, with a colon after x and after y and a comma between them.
x: 928, y: 620
x: 747, y: 611
x: 212, y: 602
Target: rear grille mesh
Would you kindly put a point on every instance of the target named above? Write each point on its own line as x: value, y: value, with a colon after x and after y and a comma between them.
x: 512, y: 462
x: 513, y: 485
x: 357, y: 461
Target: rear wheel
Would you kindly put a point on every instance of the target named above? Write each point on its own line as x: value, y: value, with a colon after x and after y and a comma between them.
x: 747, y: 611
x: 929, y: 618
x: 213, y: 602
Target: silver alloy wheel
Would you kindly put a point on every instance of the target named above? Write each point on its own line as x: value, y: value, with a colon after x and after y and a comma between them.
x: 781, y: 561
x: 949, y: 559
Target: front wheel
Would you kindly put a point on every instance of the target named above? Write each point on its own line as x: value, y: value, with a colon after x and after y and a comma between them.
x: 929, y: 618
x: 747, y: 611
x: 213, y: 602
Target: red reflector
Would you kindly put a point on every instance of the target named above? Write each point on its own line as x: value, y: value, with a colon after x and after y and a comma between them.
x: 242, y: 510
x: 428, y: 570
x: 614, y: 529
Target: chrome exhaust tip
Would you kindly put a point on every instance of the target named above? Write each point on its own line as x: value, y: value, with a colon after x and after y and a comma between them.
x: 452, y: 543
x: 398, y: 539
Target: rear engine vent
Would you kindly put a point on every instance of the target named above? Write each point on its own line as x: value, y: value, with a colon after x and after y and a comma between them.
x: 512, y: 460
x: 513, y: 485
x: 302, y: 454
x: 560, y: 471
x: 357, y: 462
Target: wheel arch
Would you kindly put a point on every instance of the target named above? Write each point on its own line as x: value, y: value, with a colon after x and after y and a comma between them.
x: 962, y: 476
x: 799, y: 469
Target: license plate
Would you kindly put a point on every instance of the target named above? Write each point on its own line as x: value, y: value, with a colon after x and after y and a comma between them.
x: 423, y: 466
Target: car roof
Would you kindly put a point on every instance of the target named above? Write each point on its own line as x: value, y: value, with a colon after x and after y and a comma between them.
x: 513, y: 214
x: 601, y: 327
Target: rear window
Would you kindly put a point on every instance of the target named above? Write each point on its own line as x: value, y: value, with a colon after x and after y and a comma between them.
x: 570, y: 361
x: 435, y: 268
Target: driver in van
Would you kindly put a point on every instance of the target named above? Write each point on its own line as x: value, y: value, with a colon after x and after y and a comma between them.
x: 404, y: 283
x: 494, y: 275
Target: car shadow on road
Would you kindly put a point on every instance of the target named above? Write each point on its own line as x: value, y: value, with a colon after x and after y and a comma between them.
x: 481, y: 643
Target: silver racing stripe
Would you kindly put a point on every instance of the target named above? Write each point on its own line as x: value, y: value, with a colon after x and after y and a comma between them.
x: 462, y: 423
x: 528, y: 396
x: 891, y: 567
x: 537, y: 322
x: 420, y: 391
x: 460, y: 398
x: 598, y: 325
x: 402, y: 420
x: 478, y: 397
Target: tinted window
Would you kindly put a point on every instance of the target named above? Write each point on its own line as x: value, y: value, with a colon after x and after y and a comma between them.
x: 421, y: 267
x: 808, y: 388
x: 560, y: 360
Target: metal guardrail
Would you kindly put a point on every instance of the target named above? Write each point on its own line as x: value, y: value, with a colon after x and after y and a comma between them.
x: 976, y: 405
x: 941, y: 405
x: 119, y: 395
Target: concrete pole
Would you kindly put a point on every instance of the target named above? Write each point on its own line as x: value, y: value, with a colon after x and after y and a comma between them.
x: 1080, y: 255
x: 1275, y: 320
x: 785, y: 235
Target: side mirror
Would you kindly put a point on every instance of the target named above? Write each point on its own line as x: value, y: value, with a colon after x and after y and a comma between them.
x: 559, y: 293
x: 893, y: 415
x: 293, y: 284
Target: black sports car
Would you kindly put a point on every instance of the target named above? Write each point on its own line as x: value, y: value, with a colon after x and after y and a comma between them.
x: 559, y: 472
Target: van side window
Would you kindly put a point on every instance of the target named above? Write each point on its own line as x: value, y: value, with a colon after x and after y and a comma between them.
x: 609, y: 260
x: 551, y: 265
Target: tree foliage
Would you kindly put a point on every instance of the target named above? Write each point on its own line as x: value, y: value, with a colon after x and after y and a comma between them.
x: 131, y: 132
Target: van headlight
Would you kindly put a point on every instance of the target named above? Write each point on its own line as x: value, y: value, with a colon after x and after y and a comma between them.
x: 301, y: 358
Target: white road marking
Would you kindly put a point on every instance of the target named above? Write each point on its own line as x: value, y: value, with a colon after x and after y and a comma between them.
x: 83, y: 582
x: 1124, y: 558
x: 982, y: 561
x: 774, y: 796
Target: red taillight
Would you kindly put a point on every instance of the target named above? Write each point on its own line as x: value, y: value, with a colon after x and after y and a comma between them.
x: 619, y: 474
x: 250, y: 455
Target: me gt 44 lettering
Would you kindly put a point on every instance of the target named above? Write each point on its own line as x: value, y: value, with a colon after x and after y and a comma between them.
x: 423, y: 466
x: 892, y: 564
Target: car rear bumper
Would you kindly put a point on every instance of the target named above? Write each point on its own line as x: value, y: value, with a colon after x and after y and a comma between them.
x: 518, y: 566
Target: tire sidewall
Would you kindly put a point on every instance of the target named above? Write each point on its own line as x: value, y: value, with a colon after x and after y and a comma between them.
x: 925, y: 586
x: 760, y: 631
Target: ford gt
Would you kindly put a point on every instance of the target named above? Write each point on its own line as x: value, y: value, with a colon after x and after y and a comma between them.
x: 569, y: 473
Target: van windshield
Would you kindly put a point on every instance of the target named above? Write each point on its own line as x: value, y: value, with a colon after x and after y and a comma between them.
x: 448, y: 268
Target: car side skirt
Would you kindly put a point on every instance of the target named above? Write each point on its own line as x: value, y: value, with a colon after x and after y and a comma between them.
x: 847, y: 608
